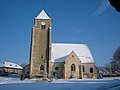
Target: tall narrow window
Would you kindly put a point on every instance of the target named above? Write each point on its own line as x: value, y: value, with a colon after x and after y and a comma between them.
x: 73, y: 67
x: 91, y: 70
x: 83, y: 68
x: 41, y: 67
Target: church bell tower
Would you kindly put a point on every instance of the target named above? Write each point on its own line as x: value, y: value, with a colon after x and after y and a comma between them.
x: 40, y: 52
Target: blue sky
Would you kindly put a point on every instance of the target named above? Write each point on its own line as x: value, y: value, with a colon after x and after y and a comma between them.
x: 93, y: 22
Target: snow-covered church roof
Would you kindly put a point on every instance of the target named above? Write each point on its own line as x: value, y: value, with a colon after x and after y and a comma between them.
x: 10, y: 65
x: 61, y: 51
x: 42, y: 15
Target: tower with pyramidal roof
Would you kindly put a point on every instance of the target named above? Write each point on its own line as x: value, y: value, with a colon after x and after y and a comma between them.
x: 40, y: 45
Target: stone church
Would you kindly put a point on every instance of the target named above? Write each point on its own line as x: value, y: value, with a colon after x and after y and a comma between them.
x: 57, y: 60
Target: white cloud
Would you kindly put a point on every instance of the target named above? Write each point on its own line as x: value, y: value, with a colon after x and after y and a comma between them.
x: 103, y: 6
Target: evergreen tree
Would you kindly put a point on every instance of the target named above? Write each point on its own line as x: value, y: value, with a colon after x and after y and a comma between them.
x: 115, y: 63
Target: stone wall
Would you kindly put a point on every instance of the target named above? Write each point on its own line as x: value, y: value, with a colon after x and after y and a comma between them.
x: 56, y: 69
x: 72, y: 59
x: 40, y: 48
x: 87, y: 73
x: 65, y: 68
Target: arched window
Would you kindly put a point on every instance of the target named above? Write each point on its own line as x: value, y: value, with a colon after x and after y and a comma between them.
x: 91, y: 70
x: 73, y: 67
x: 41, y: 67
x: 83, y: 68
x: 43, y: 26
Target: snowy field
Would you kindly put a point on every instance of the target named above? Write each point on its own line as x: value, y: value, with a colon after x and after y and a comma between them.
x: 10, y: 83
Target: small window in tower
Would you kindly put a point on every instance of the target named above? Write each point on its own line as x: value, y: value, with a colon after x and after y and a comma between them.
x: 72, y: 55
x: 41, y: 68
x: 41, y: 56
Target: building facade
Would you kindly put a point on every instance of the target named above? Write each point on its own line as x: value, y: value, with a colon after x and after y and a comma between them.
x: 57, y: 60
x: 7, y: 68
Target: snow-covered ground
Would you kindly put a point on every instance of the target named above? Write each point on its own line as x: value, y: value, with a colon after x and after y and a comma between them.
x: 10, y: 83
